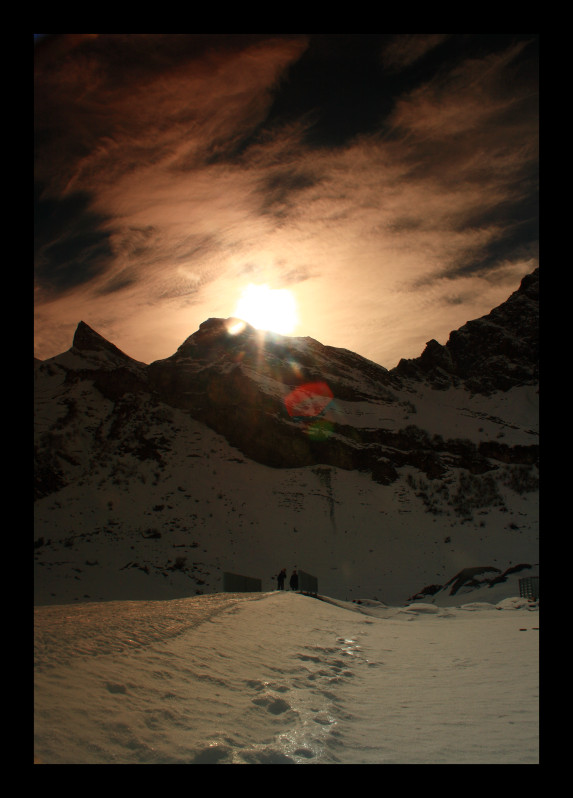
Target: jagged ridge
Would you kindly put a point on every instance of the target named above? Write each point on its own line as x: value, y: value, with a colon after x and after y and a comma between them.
x: 493, y: 353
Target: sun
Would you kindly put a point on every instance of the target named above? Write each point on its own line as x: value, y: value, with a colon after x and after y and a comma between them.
x: 270, y: 309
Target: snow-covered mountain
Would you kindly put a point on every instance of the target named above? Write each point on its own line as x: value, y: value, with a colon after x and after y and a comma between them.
x: 248, y: 452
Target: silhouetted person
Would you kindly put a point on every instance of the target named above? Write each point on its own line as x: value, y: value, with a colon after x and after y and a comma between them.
x: 281, y: 579
x: 294, y: 581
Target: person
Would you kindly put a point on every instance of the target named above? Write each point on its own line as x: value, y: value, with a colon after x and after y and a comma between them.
x: 281, y: 579
x: 294, y: 581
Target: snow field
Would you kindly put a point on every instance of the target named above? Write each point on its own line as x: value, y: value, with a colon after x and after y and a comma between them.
x: 281, y: 678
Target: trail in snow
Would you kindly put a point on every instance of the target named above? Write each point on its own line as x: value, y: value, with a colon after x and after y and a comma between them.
x: 281, y: 678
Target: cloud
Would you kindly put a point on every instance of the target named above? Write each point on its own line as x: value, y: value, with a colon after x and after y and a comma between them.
x: 404, y: 50
x: 172, y: 168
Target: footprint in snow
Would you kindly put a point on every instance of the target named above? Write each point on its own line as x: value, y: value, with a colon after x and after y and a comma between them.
x: 275, y: 706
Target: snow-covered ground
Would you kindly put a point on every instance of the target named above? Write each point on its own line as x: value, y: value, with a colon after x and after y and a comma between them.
x: 273, y: 678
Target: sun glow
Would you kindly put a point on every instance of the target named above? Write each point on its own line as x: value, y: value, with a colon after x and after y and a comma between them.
x: 270, y: 309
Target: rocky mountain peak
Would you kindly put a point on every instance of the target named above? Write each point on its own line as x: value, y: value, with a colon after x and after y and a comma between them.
x: 214, y: 331
x: 219, y: 340
x: 493, y: 353
x: 88, y: 340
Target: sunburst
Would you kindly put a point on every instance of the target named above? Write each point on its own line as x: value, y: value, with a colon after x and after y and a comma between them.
x: 269, y: 309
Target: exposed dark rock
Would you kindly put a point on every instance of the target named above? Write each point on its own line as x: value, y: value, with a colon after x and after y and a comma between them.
x: 87, y: 340
x: 493, y: 353
x: 466, y: 577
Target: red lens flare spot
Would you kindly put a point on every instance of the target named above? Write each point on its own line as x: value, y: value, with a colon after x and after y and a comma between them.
x: 309, y: 400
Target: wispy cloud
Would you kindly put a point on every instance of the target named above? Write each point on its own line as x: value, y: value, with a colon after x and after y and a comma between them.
x: 169, y: 179
x: 405, y: 49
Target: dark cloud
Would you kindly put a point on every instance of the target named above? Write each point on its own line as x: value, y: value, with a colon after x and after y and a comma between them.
x: 337, y: 87
x: 119, y: 282
x: 70, y: 246
x: 280, y: 189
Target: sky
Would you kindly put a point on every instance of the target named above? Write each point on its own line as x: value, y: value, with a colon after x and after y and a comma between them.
x: 383, y: 187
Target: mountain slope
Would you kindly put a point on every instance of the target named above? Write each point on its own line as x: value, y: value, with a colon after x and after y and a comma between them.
x: 249, y: 452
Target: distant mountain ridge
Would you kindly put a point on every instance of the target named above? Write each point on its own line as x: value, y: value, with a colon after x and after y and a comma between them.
x: 459, y: 418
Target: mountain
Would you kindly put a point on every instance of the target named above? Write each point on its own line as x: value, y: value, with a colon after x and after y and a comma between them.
x: 248, y: 452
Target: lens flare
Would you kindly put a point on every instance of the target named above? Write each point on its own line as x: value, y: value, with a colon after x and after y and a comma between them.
x: 320, y: 430
x: 308, y: 400
x: 236, y: 327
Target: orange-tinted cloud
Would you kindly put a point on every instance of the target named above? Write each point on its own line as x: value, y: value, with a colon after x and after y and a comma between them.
x: 173, y: 169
